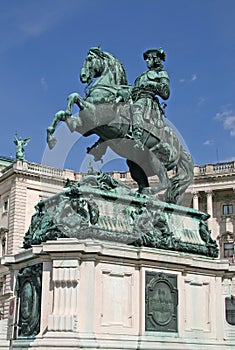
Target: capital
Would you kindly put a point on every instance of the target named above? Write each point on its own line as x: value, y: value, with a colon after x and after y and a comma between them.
x: 209, y: 192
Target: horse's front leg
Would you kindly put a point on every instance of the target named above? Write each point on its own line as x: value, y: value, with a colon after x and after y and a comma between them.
x: 59, y: 116
x: 75, y: 123
x: 80, y: 102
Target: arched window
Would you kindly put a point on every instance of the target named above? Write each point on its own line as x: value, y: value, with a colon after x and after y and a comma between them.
x: 226, y: 242
x: 230, y: 310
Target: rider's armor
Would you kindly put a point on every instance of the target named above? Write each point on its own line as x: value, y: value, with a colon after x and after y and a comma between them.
x: 146, y: 106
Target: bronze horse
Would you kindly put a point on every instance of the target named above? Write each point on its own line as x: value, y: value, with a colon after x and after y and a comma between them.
x: 106, y: 112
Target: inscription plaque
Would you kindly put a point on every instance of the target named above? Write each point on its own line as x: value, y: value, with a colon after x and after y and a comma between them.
x: 161, y: 298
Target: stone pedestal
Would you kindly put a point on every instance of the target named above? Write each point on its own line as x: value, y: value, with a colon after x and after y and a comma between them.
x: 106, y: 268
x: 112, y: 296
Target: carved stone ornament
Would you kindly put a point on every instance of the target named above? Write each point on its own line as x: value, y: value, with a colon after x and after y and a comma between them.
x: 161, y: 302
x: 100, y: 207
x: 28, y: 287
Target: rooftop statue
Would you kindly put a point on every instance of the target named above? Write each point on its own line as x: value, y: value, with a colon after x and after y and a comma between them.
x: 130, y: 120
x: 20, y: 144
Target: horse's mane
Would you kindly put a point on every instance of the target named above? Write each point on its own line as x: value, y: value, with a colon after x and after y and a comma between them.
x: 114, y: 65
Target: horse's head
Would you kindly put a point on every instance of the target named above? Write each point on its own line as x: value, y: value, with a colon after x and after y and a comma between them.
x: 99, y: 63
x: 93, y: 66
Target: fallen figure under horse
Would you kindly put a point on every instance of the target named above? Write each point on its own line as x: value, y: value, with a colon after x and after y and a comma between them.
x: 130, y: 120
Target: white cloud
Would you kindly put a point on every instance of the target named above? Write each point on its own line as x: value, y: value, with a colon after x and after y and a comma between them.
x: 208, y: 142
x: 229, y: 124
x: 188, y: 80
x: 26, y: 21
x: 227, y: 117
x: 201, y: 101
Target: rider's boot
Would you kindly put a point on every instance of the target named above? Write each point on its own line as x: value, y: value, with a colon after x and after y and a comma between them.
x: 135, y: 133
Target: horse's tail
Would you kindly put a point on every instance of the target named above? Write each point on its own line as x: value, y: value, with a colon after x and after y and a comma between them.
x: 183, y: 178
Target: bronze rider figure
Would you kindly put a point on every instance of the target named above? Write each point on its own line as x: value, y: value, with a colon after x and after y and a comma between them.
x: 150, y: 84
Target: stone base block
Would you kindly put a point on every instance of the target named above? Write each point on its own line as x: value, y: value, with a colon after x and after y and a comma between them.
x: 103, y: 295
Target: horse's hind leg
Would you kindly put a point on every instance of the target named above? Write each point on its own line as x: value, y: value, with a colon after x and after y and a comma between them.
x: 182, y: 179
x: 160, y: 170
x: 138, y: 175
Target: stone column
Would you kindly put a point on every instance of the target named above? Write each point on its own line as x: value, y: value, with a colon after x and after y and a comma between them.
x: 195, y: 201
x: 209, y: 203
x: 65, y: 296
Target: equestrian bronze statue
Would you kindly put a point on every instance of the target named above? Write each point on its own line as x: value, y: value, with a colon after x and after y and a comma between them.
x: 130, y: 120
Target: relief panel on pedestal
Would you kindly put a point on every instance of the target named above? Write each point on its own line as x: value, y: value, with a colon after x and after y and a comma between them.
x: 28, y: 287
x: 117, y: 296
x: 197, y: 305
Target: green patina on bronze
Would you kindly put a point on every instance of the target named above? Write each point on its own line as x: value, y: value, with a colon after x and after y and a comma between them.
x: 161, y: 299
x: 130, y: 120
x: 28, y: 287
x: 100, y: 207
x: 20, y: 144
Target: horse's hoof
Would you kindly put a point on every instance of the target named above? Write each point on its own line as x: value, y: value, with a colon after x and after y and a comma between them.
x: 51, y: 142
x: 148, y: 191
x: 72, y: 123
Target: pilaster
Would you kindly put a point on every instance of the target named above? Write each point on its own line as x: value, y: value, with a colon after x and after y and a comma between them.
x: 17, y: 214
x: 65, y: 277
x: 209, y: 203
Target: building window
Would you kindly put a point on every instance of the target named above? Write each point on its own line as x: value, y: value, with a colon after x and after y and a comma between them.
x: 230, y: 310
x: 1, y: 312
x: 3, y: 243
x: 5, y: 202
x: 228, y: 250
x: 227, y: 209
x: 122, y: 175
x: 226, y: 242
x: 2, y: 284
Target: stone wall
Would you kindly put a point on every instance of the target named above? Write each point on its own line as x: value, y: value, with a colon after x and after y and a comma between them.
x: 95, y: 295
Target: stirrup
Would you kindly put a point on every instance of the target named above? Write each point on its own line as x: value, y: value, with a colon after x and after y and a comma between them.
x: 129, y: 135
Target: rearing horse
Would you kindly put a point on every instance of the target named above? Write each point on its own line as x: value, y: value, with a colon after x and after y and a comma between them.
x: 106, y: 111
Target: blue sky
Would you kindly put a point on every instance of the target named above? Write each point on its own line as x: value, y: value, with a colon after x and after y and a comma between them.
x: 44, y: 43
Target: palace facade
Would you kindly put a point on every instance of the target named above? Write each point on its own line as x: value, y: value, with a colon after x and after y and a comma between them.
x: 23, y: 184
